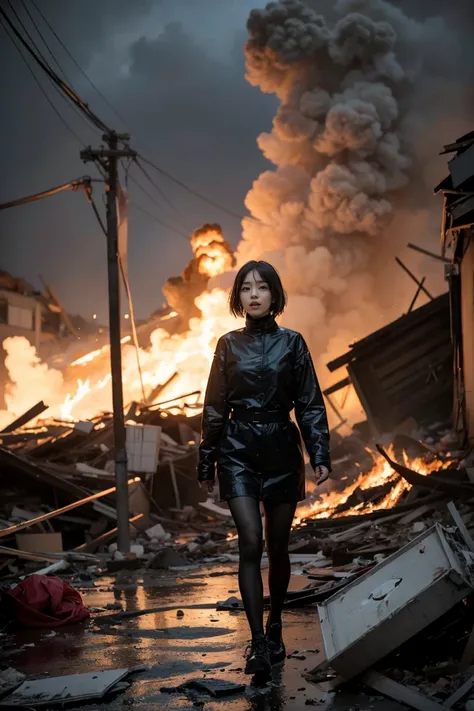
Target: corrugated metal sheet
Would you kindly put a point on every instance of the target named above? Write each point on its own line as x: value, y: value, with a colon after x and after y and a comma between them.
x: 405, y: 369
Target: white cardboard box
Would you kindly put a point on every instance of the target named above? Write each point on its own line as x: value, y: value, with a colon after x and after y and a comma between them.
x: 143, y: 447
x: 398, y: 598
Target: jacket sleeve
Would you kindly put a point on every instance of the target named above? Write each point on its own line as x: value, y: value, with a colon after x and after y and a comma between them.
x: 215, y: 415
x: 310, y: 410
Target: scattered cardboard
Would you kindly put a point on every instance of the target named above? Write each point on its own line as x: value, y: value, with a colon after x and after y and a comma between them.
x: 40, y: 542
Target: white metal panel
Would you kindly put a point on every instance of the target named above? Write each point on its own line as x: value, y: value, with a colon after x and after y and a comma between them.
x: 392, y: 602
x: 70, y: 688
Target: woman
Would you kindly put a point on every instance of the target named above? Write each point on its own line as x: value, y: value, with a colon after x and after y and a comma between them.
x: 259, y: 373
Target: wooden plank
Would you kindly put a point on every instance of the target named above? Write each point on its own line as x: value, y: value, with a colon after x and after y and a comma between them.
x: 12, y: 463
x: 34, y: 411
x: 355, y: 530
x: 26, y: 556
x: 92, y: 545
x: 31, y: 522
x: 414, y: 515
x: 400, y: 693
x: 461, y: 525
x: 458, y: 695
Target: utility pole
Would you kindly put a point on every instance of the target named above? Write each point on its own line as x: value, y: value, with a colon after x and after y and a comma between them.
x: 107, y: 158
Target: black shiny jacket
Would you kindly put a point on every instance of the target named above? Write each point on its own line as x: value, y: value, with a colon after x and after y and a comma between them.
x: 262, y: 366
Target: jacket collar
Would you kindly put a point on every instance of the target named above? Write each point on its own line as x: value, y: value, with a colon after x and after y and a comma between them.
x: 260, y: 325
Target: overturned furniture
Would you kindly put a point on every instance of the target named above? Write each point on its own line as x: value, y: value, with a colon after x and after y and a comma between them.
x: 398, y: 598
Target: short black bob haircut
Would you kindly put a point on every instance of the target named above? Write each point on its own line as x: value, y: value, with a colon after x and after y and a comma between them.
x: 270, y: 275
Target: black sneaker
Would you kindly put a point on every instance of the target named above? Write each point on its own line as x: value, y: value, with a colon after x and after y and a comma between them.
x: 258, y: 659
x: 276, y: 648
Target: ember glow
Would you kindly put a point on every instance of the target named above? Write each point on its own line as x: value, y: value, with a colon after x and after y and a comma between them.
x: 381, y: 473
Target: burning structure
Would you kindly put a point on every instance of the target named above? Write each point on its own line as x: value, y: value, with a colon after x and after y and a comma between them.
x: 344, y: 145
x: 344, y: 148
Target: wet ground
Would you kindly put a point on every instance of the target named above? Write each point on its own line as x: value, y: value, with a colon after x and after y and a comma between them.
x: 177, y: 647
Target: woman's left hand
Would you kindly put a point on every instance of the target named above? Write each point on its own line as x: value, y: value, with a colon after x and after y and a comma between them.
x: 209, y: 485
x: 322, y: 473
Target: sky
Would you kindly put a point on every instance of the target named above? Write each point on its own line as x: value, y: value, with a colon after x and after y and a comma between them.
x: 174, y: 72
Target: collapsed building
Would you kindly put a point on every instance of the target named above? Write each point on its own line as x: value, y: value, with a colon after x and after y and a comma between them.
x: 457, y: 235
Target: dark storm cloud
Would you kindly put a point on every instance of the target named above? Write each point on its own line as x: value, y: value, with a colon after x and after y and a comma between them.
x: 186, y: 102
x: 174, y: 69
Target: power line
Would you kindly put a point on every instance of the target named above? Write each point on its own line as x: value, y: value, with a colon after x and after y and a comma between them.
x: 74, y: 185
x: 76, y: 63
x: 48, y: 48
x: 70, y: 93
x: 40, y: 86
x: 163, y: 195
x: 159, y: 221
x: 92, y: 203
x: 153, y: 200
x: 191, y: 190
x: 84, y: 107
x: 25, y: 30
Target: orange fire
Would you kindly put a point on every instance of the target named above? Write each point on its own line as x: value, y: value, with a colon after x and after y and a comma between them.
x: 381, y: 473
x: 189, y: 355
x: 83, y: 389
x: 211, y: 250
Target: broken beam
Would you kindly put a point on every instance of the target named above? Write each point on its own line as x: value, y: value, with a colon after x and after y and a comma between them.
x: 337, y: 386
x: 27, y: 555
x: 429, y: 254
x: 410, y: 274
x: 51, y: 514
x: 400, y: 693
x: 417, y: 293
x: 460, y: 693
x: 159, y: 389
x: 91, y: 545
x: 157, y: 405
x: 26, y: 417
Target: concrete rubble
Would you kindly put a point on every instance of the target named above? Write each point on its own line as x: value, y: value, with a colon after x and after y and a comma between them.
x: 186, y: 553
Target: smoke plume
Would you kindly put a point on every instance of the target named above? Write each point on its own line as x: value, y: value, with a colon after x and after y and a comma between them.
x: 28, y: 375
x: 358, y: 93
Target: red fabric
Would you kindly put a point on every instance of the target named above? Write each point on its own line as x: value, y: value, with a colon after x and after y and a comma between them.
x: 46, y: 601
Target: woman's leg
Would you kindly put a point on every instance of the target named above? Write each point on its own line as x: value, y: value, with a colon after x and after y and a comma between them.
x: 278, y: 520
x: 246, y: 514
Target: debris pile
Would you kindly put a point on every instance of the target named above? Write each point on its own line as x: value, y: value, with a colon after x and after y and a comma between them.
x: 57, y: 483
x: 383, y: 501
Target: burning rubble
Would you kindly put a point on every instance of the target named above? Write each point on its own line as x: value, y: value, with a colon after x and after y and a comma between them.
x: 343, y: 150
x: 82, y: 389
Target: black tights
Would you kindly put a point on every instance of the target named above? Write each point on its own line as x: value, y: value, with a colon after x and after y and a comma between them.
x: 278, y: 519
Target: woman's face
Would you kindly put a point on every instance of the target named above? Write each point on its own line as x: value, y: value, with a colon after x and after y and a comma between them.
x: 255, y: 295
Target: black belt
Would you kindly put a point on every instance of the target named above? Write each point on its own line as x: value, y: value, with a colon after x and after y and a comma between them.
x: 243, y: 415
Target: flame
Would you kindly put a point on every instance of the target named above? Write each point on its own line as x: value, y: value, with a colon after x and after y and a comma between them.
x: 381, y: 473
x: 83, y: 360
x: 211, y: 251
x: 187, y: 356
